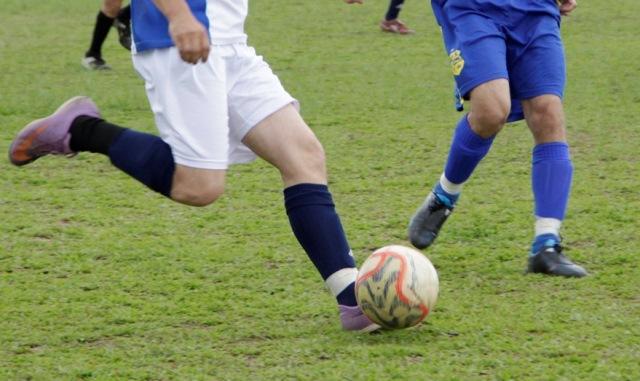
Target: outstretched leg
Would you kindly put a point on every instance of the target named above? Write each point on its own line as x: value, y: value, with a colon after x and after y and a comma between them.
x: 77, y: 126
x: 284, y: 140
x: 104, y: 21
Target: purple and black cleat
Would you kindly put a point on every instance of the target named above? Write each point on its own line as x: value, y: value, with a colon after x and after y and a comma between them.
x: 50, y: 135
x: 353, y: 319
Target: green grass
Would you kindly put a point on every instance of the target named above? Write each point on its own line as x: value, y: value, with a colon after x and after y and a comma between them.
x: 101, y: 279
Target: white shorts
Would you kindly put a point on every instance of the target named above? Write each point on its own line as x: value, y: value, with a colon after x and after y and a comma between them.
x: 204, y: 111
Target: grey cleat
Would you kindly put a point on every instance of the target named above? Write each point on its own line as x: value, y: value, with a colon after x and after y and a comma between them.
x: 550, y: 260
x: 427, y: 221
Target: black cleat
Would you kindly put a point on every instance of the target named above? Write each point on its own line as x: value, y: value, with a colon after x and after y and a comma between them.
x: 427, y: 221
x: 94, y: 63
x: 124, y: 33
x: 550, y: 260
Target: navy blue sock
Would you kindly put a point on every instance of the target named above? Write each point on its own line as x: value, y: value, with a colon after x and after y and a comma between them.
x: 124, y: 16
x: 551, y: 176
x: 317, y: 227
x: 394, y: 9
x: 145, y: 157
x: 467, y: 149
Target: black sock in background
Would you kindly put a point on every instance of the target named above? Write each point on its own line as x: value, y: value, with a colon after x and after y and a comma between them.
x: 394, y: 9
x: 92, y: 134
x: 100, y: 32
x: 125, y: 15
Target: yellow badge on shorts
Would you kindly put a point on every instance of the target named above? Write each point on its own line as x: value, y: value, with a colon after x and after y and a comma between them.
x: 457, y: 63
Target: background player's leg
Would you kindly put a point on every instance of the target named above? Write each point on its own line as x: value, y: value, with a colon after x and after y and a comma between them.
x: 490, y: 105
x: 394, y: 9
x: 474, y: 134
x: 122, y: 24
x: 284, y: 140
x: 551, y: 165
x: 391, y: 22
x: 538, y: 75
x: 104, y: 21
x: 551, y: 173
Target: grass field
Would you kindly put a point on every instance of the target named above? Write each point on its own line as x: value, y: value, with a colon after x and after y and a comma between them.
x: 101, y: 279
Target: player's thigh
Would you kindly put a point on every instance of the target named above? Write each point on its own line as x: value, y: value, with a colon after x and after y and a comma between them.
x: 264, y: 119
x: 537, y: 66
x: 284, y: 140
x: 475, y: 44
x: 189, y: 103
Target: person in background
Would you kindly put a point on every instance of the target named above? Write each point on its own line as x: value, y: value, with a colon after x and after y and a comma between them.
x: 391, y: 23
x: 111, y: 15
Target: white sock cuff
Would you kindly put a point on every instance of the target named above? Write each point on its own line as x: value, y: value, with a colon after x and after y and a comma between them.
x: 342, y: 278
x: 545, y: 225
x: 450, y: 187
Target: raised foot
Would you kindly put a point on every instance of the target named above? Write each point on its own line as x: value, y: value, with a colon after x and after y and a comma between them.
x: 50, y: 135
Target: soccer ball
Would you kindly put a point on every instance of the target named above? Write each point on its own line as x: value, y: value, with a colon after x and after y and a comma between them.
x: 397, y: 287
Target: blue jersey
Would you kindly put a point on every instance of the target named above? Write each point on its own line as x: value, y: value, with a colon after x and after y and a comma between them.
x: 518, y: 40
x: 223, y: 19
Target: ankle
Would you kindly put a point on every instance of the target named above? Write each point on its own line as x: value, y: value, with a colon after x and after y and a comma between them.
x: 449, y: 199
x: 542, y: 241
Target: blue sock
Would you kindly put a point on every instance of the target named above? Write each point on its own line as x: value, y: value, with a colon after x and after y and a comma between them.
x: 542, y: 241
x: 551, y: 179
x: 146, y: 158
x: 467, y: 149
x: 317, y: 227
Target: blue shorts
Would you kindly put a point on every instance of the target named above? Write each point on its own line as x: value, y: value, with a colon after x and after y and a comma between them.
x: 518, y: 40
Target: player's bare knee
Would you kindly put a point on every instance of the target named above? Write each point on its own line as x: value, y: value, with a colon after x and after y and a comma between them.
x: 198, y: 196
x: 489, y: 119
x: 315, y: 156
x: 308, y: 164
x: 545, y: 118
x: 197, y: 187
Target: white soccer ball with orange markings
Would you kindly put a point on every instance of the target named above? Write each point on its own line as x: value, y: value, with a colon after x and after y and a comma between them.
x: 397, y: 287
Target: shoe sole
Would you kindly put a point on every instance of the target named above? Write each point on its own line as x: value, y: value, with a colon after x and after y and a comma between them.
x: 552, y: 272
x: 370, y: 328
x: 19, y: 149
x: 88, y: 66
x: 396, y: 31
